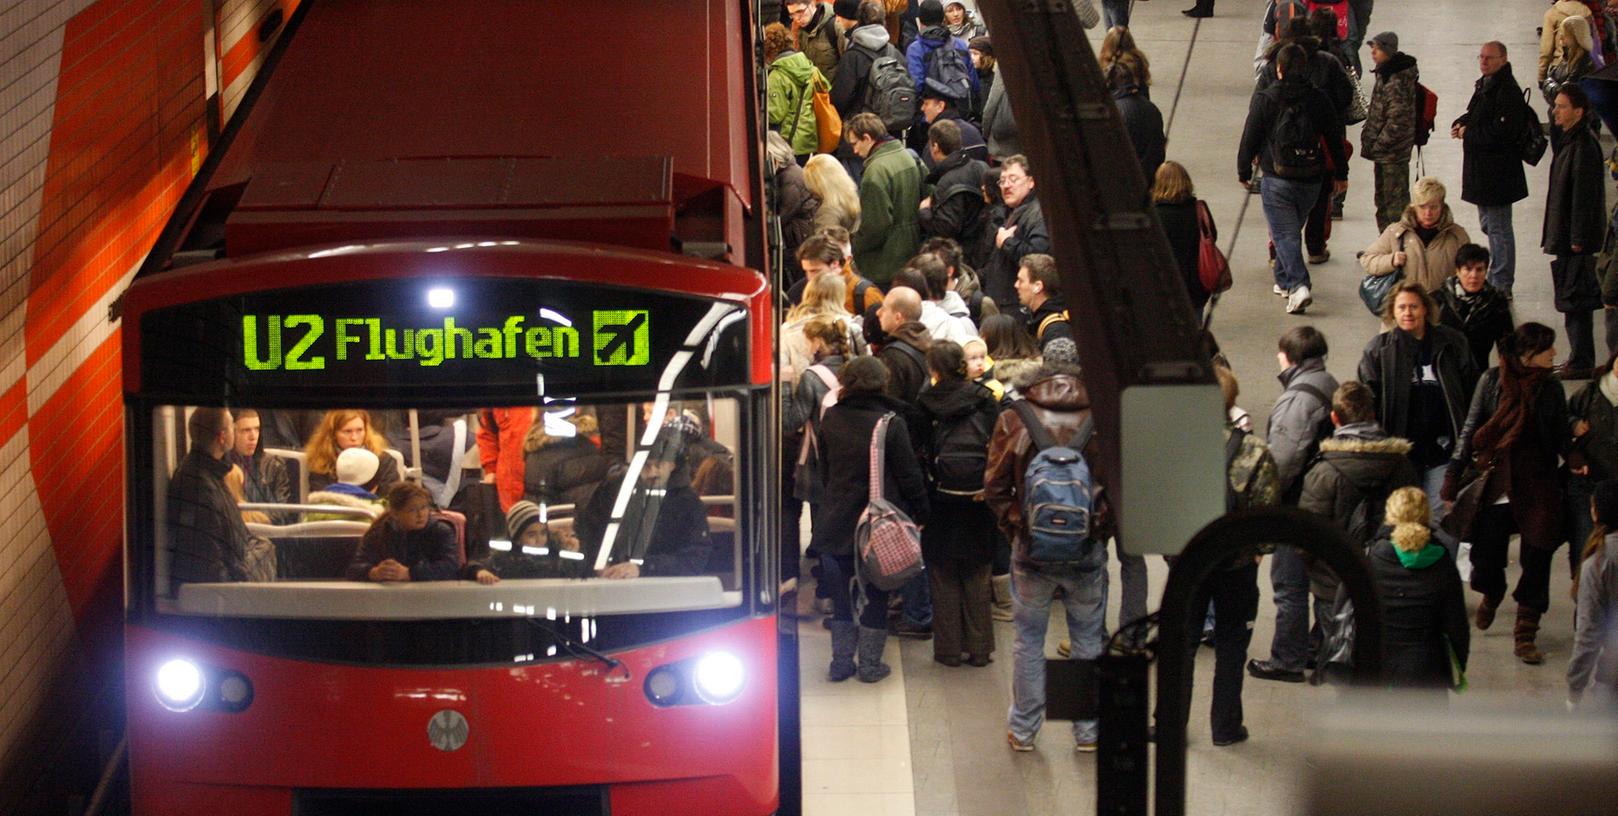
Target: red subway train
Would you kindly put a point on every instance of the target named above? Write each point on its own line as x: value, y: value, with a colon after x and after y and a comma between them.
x: 440, y: 207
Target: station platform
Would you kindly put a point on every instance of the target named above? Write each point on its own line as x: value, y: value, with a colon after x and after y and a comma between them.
x: 930, y: 740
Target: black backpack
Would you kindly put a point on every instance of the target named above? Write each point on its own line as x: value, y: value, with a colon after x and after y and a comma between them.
x: 890, y: 91
x: 960, y: 454
x: 946, y: 65
x: 1296, y: 147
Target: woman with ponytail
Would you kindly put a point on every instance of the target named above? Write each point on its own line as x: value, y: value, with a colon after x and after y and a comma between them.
x: 960, y: 544
x: 1592, y: 671
x: 1518, y: 430
x: 1423, y: 607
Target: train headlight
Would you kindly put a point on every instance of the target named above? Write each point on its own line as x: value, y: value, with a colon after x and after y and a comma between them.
x: 719, y: 677
x: 179, y: 685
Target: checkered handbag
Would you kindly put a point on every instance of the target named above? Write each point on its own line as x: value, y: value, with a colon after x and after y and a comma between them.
x: 887, y: 542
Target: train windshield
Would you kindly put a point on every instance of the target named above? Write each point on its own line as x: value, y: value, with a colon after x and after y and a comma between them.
x: 589, y: 508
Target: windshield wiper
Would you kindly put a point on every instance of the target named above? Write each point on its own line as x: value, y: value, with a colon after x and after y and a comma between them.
x: 579, y: 649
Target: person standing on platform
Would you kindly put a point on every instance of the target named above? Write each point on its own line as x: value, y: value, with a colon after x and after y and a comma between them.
x: 1022, y: 232
x: 1492, y: 178
x: 890, y: 198
x: 1390, y: 126
x: 1575, y: 223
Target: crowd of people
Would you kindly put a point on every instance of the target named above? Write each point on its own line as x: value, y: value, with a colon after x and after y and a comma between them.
x: 927, y: 310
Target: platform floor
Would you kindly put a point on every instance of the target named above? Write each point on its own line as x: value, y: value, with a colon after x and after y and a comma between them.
x: 955, y: 760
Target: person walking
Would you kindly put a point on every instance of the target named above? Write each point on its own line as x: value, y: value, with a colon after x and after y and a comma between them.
x: 1285, y: 126
x: 1492, y: 178
x: 1592, y: 670
x: 1175, y: 198
x: 1515, y: 436
x: 1594, y: 411
x: 1575, y: 223
x: 1469, y: 304
x: 1420, y: 247
x: 1390, y: 126
x: 1425, y: 637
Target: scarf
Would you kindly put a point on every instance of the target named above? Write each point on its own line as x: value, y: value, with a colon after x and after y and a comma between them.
x: 1609, y: 387
x: 1519, y: 387
x: 1468, y: 300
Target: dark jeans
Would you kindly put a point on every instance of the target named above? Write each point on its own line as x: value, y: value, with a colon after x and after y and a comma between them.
x: 1491, y: 538
x: 837, y: 571
x: 1317, y: 230
x: 1574, y: 277
x: 1234, y: 594
x: 1289, y: 649
x: 1115, y: 12
x: 1577, y: 496
x: 791, y: 541
x: 918, y: 602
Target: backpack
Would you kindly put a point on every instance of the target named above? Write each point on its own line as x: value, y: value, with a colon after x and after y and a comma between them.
x: 1233, y: 447
x: 1285, y: 11
x: 890, y: 91
x: 915, y: 356
x: 1045, y: 323
x: 1534, y: 142
x: 1426, y: 113
x: 1297, y: 149
x: 1338, y: 7
x: 1312, y: 449
x: 887, y: 541
x: 946, y: 65
x: 1058, y: 498
x: 960, y: 455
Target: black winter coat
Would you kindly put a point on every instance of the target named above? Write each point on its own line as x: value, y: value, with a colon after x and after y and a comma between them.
x: 1145, y: 125
x: 1388, y: 366
x: 1359, y: 463
x: 1423, y: 617
x: 1491, y: 149
x: 797, y: 207
x: 265, y: 480
x: 1325, y: 72
x: 564, y: 471
x: 999, y: 275
x: 1266, y: 108
x: 208, y: 541
x: 962, y: 529
x: 1529, y: 470
x: 957, y: 197
x: 1484, y: 318
x: 430, y: 553
x: 668, y: 532
x: 1576, y: 203
x: 845, y: 445
x: 1185, y: 236
x: 1600, y: 445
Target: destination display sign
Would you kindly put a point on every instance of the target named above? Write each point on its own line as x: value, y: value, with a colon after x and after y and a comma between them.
x: 441, y: 341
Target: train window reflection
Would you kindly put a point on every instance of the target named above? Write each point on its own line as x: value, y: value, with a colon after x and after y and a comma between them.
x: 580, y: 508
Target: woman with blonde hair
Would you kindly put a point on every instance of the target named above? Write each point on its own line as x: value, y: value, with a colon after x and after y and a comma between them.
x: 1425, y: 635
x: 340, y: 430
x: 1119, y: 47
x: 1422, y: 244
x: 1177, y: 208
x: 839, y: 197
x: 822, y: 297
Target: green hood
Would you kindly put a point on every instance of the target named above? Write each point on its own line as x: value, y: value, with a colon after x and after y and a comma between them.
x: 796, y: 66
x: 1422, y: 558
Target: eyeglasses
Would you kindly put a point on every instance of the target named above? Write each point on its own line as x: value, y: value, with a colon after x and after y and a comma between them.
x: 1012, y: 181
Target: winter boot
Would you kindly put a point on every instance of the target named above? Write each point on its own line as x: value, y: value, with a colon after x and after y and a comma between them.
x: 1001, y: 609
x: 1485, y: 614
x: 845, y: 637
x: 1527, y: 628
x: 871, y: 667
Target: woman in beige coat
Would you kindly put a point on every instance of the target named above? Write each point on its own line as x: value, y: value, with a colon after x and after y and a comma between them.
x: 1422, y: 243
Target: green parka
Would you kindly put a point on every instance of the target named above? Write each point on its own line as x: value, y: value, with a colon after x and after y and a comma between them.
x: 890, y: 196
x: 791, y: 100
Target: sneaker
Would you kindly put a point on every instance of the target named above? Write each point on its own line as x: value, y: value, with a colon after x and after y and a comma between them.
x: 1085, y: 747
x: 1265, y: 670
x: 1018, y: 745
x: 1279, y: 292
x: 1299, y: 300
x: 1319, y: 258
x: 1065, y: 648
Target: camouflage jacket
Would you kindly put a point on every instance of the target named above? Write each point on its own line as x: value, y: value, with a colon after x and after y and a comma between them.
x: 1254, y: 482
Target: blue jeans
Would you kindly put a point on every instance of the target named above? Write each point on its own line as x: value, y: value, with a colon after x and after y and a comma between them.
x: 1432, y: 483
x: 1085, y: 599
x: 1289, y: 649
x: 1115, y: 12
x: 1496, y: 221
x: 1287, y: 203
x: 918, y: 602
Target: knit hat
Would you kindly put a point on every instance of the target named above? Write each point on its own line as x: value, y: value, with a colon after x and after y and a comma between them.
x: 846, y: 9
x: 357, y: 466
x: 1606, y: 502
x: 982, y: 45
x: 931, y: 14
x: 672, y: 441
x: 1061, y: 350
x: 1387, y: 41
x: 521, y: 514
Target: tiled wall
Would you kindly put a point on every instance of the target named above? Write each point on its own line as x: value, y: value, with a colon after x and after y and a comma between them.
x: 102, y: 125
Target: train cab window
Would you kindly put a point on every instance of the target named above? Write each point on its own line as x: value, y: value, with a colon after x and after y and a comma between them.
x: 635, y: 504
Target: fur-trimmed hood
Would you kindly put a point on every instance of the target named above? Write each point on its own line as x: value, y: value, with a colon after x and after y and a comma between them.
x: 1364, y: 446
x: 343, y: 500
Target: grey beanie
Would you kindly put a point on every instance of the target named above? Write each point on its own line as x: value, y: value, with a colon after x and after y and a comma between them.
x: 1387, y: 41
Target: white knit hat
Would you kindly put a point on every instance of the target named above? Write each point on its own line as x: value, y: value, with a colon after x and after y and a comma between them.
x: 357, y: 466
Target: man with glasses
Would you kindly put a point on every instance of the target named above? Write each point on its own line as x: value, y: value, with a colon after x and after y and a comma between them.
x: 1491, y: 133
x: 1022, y: 233
x: 817, y: 35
